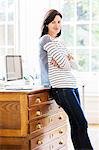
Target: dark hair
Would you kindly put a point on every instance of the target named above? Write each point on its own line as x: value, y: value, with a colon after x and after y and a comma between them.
x: 49, y: 17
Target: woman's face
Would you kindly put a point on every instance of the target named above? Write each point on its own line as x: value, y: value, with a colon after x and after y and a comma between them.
x: 54, y: 27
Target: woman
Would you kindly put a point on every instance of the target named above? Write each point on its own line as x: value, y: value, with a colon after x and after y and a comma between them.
x: 56, y: 69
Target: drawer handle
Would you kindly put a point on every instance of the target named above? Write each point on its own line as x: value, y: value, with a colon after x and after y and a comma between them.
x: 38, y: 126
x: 39, y: 142
x: 50, y: 119
x: 38, y: 100
x: 61, y: 131
x: 60, y: 117
x: 38, y: 113
x: 61, y: 142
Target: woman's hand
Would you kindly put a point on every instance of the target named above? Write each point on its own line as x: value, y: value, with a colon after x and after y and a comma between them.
x: 54, y: 63
x: 70, y: 57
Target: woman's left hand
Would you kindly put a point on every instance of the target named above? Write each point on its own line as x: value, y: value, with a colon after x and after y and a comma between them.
x: 54, y: 63
x: 69, y: 56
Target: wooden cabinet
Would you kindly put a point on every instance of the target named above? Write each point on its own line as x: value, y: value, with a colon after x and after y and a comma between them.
x: 31, y: 120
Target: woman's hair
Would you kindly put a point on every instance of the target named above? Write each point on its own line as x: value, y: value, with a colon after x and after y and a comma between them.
x: 49, y: 17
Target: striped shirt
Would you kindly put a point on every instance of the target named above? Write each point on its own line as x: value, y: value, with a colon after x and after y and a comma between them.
x: 62, y: 76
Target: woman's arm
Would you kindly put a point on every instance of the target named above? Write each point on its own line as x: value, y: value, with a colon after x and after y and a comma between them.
x: 72, y: 62
x: 57, y: 55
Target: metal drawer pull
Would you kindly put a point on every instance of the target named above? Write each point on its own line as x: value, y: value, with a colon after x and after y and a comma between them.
x: 38, y: 100
x: 39, y: 142
x: 38, y: 113
x: 38, y: 126
x: 61, y: 131
x: 60, y: 117
x: 61, y: 142
x: 51, y: 119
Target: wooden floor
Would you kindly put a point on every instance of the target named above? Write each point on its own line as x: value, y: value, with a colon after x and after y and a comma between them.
x: 93, y: 131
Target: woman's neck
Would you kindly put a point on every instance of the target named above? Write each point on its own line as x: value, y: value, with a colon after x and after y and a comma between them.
x: 52, y: 37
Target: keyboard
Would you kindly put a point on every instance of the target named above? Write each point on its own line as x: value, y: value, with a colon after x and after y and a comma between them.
x: 19, y: 87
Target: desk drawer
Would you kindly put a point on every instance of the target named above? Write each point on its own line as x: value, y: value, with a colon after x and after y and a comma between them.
x: 44, y: 109
x: 54, y: 120
x: 48, y: 136
x: 37, y: 98
x: 40, y: 140
x: 59, y: 143
x: 59, y: 132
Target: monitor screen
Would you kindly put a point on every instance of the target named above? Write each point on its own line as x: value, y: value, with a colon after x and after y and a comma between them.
x: 13, y: 67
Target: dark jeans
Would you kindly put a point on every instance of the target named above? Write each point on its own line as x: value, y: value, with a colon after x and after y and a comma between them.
x: 69, y: 100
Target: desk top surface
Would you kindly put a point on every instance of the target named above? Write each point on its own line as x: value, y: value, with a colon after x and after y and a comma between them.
x: 23, y: 90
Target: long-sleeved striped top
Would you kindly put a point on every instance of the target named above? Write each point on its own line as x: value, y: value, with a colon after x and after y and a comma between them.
x: 62, y: 76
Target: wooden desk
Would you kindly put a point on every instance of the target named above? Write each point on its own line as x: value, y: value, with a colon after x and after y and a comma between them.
x: 31, y: 120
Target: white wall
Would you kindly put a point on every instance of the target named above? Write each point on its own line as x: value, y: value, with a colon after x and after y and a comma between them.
x: 31, y: 16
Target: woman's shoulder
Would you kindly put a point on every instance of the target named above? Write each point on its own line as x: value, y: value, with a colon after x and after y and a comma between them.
x: 45, y: 39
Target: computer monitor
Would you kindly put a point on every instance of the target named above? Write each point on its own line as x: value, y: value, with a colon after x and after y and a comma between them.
x: 14, y: 67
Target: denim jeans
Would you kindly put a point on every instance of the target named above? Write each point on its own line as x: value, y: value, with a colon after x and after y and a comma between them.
x: 69, y: 100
